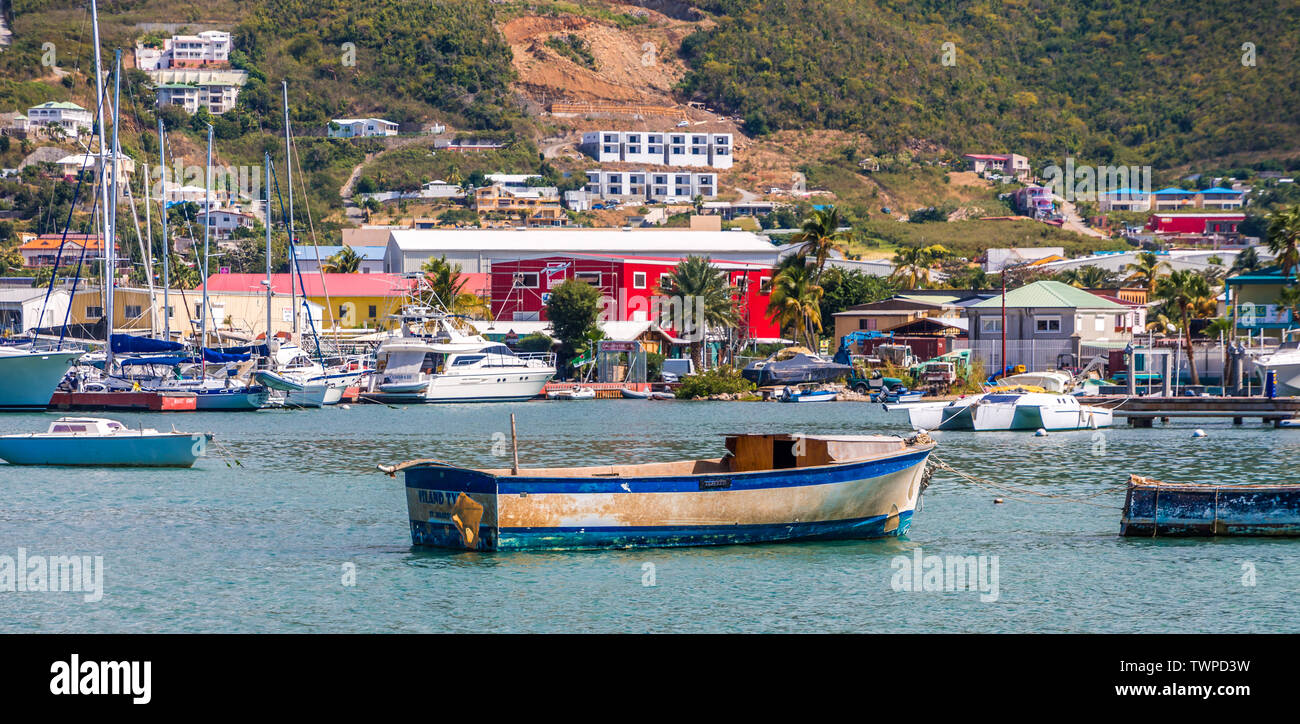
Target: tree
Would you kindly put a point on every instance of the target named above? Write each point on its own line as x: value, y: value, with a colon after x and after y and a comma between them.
x: 912, y: 264
x: 1183, y: 291
x: 573, y: 310
x: 346, y: 261
x: 796, y: 302
x: 1088, y: 277
x: 1145, y: 270
x: 820, y: 235
x: 705, y: 299
x: 844, y: 289
x: 1284, y: 238
x: 1247, y: 261
x: 10, y: 260
x: 969, y: 277
x: 1289, y: 299
x: 446, y: 288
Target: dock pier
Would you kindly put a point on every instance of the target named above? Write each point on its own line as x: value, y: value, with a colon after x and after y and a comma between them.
x: 1143, y: 411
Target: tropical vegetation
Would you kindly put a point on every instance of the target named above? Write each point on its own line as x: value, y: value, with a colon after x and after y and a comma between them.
x: 702, y: 298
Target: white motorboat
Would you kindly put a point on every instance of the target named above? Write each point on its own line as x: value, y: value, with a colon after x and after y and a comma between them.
x: 430, y: 359
x: 1008, y: 409
x: 28, y: 377
x: 577, y: 392
x: 1285, y: 362
x: 99, y: 442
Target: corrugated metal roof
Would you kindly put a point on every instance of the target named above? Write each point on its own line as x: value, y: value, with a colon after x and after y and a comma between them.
x: 367, y: 253
x: 648, y: 242
x: 1049, y: 294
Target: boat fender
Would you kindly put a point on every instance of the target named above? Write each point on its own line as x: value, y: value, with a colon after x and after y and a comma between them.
x: 346, y: 407
x: 1040, y: 432
x: 1198, y: 433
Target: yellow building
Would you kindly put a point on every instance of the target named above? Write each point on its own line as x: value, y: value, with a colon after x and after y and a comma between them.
x: 347, y: 301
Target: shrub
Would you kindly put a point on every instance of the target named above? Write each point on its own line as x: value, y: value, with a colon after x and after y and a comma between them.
x: 717, y: 381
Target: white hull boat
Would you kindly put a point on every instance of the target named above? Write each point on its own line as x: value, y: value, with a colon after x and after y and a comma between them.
x: 1286, y: 364
x: 28, y: 377
x: 98, y: 442
x: 574, y: 393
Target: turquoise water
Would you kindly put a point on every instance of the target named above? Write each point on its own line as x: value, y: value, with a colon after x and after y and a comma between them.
x: 263, y: 547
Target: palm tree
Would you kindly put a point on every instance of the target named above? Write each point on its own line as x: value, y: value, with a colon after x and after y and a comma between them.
x: 796, y: 302
x: 1087, y: 277
x: 912, y: 264
x: 820, y: 235
x: 1246, y: 262
x: 1289, y: 299
x: 1146, y: 270
x: 1284, y: 238
x: 346, y: 261
x: 703, y: 296
x: 446, y: 286
x: 1183, y: 291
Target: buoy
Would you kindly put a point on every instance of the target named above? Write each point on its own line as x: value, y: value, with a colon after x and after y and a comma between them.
x: 997, y: 501
x: 1040, y: 432
x: 346, y: 407
x: 1198, y: 433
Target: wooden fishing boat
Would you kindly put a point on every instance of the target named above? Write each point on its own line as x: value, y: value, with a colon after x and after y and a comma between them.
x: 766, y: 488
x: 1153, y: 508
x: 99, y: 442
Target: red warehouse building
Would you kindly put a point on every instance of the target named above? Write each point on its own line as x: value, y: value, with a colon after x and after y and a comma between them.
x: 520, y: 288
x: 1225, y: 224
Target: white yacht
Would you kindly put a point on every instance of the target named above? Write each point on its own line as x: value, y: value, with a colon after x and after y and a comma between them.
x: 28, y: 376
x: 1008, y: 409
x: 1286, y: 363
x: 432, y: 360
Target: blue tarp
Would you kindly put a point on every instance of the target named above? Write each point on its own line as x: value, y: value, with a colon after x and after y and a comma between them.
x: 169, y: 361
x: 260, y: 350
x: 130, y: 344
x: 213, y: 355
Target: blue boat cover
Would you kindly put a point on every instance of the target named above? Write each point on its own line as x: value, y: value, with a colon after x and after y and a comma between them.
x: 169, y: 361
x: 214, y: 355
x: 130, y: 344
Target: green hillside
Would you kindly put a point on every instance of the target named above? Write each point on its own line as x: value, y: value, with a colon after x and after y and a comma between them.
x: 1157, y: 82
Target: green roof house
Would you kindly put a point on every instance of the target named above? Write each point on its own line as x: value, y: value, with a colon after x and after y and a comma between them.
x: 1047, y: 319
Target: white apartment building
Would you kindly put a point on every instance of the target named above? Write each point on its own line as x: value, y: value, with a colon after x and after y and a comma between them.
x: 70, y: 117
x: 216, y: 90
x: 211, y: 47
x: 654, y: 186
x: 359, y: 127
x: 224, y: 222
x: 668, y: 148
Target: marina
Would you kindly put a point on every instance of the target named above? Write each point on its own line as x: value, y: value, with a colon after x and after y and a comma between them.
x: 260, y: 548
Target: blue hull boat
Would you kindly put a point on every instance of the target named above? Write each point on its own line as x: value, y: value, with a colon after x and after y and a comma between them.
x: 1153, y: 508
x: 809, y: 396
x: 768, y: 488
x: 232, y: 400
x: 97, y: 442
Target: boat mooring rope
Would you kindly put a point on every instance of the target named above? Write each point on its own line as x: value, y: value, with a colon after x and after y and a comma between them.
x: 1002, y: 488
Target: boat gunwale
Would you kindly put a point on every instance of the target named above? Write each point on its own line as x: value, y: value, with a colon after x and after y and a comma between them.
x: 496, y: 474
x: 1138, y: 482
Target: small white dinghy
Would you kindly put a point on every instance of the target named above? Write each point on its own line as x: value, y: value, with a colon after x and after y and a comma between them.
x: 576, y: 392
x: 99, y: 442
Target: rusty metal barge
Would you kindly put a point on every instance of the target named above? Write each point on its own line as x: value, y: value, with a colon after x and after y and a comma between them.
x: 1153, y: 508
x: 766, y: 488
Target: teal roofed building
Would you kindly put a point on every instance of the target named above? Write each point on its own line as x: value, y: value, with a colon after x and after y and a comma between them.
x: 1253, y: 300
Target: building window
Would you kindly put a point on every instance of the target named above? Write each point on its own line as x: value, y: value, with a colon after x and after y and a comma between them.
x: 991, y: 325
x: 638, y: 280
x: 527, y: 280
x: 94, y: 311
x: 1047, y: 325
x: 343, y: 310
x: 592, y: 278
x: 666, y: 283
x: 373, y: 311
x: 133, y: 311
x: 1100, y: 325
x: 868, y: 323
x: 765, y: 285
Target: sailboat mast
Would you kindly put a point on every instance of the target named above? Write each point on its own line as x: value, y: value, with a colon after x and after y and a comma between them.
x: 166, y: 261
x: 207, y: 224
x: 110, y: 244
x: 267, y: 189
x: 288, y: 166
x: 148, y: 248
